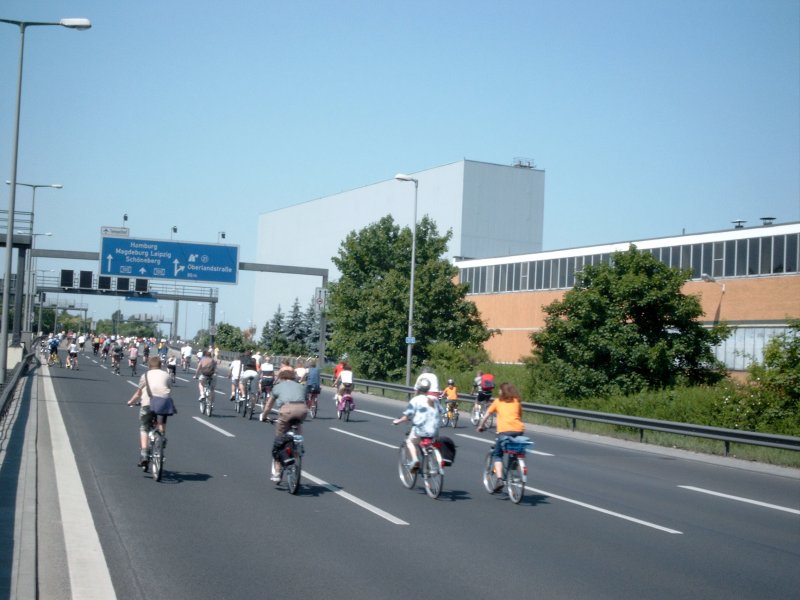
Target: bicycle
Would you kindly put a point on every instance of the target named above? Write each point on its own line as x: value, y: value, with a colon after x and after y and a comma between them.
x: 479, y: 409
x: 291, y: 458
x: 115, y: 365
x: 185, y: 363
x: 247, y: 404
x: 515, y: 471
x: 312, y: 401
x: 345, y: 406
x: 207, y: 399
x: 54, y: 359
x: 132, y: 362
x: 157, y: 443
x: 450, y: 414
x: 430, y: 465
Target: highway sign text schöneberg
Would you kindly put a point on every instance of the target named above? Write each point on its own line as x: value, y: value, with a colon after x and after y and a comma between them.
x: 165, y: 259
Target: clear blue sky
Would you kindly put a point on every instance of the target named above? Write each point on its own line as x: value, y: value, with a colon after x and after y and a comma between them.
x: 649, y: 117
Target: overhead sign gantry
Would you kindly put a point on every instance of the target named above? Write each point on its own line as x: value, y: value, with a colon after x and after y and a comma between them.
x: 166, y: 259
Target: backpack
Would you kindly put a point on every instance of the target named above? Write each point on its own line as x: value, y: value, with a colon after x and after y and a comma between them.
x: 487, y: 382
x: 447, y: 450
x: 207, y: 368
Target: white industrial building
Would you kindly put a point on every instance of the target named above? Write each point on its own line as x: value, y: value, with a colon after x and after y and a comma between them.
x: 493, y: 210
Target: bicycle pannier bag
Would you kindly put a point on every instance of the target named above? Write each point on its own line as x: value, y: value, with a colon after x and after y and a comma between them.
x: 447, y: 450
x: 281, y: 450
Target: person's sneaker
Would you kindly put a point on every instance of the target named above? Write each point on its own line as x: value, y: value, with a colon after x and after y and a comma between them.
x: 414, y: 466
x: 261, y: 417
x: 275, y: 478
x: 233, y: 398
x: 499, y: 485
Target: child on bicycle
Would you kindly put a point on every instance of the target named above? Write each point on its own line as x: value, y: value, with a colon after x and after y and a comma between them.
x: 425, y: 414
x: 508, y: 407
x: 450, y: 394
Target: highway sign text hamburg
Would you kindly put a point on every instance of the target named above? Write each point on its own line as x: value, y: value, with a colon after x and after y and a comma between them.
x: 165, y: 259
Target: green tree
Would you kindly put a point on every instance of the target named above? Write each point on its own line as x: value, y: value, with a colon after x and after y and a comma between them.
x: 368, y: 305
x: 272, y: 336
x: 625, y: 327
x: 231, y: 338
x: 294, y: 328
x: 311, y: 327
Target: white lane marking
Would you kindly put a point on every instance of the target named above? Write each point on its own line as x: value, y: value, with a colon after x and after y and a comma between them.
x: 214, y: 427
x: 578, y: 502
x: 740, y: 499
x: 88, y: 570
x: 372, y: 414
x: 355, y: 500
x: 361, y: 437
x: 485, y: 441
x: 605, y: 511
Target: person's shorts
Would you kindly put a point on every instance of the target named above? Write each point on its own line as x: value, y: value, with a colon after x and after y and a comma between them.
x: 248, y: 375
x: 313, y: 389
x: 146, y: 418
x: 73, y: 354
x: 210, y: 378
x: 289, y: 414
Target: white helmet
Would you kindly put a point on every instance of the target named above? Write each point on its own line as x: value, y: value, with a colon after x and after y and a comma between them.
x: 423, y: 385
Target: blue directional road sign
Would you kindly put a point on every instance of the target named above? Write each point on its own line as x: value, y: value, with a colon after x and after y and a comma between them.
x: 165, y: 259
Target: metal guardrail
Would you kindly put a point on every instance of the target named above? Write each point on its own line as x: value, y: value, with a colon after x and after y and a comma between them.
x: 728, y: 436
x: 7, y: 392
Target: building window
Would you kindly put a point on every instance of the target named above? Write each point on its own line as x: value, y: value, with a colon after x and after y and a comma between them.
x: 719, y: 259
x: 766, y: 256
x: 546, y: 275
x: 778, y: 257
x: 753, y: 256
x: 792, y: 247
x: 523, y: 275
x: 730, y: 258
x: 741, y: 258
x: 571, y: 272
x: 697, y: 261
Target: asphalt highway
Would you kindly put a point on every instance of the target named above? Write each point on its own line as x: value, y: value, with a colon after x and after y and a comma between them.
x: 598, y: 520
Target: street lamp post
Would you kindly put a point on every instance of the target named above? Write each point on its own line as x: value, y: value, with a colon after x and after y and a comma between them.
x: 30, y: 272
x: 30, y: 263
x: 410, y: 335
x: 72, y: 24
x: 41, y: 304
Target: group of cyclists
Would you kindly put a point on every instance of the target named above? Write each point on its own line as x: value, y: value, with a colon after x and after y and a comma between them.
x: 424, y: 412
x: 291, y: 390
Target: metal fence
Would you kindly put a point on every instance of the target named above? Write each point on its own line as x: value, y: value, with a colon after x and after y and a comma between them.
x: 573, y: 415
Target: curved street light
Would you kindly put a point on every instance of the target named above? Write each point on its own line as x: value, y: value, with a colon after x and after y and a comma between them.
x: 410, y: 334
x: 71, y: 23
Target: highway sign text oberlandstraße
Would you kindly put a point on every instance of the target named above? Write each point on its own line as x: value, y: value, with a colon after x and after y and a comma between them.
x: 165, y: 259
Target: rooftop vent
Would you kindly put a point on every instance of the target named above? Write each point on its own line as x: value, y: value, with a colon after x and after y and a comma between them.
x: 738, y: 223
x: 766, y: 221
x: 524, y: 163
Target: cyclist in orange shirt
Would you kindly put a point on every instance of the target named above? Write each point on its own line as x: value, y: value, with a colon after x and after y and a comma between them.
x: 508, y: 407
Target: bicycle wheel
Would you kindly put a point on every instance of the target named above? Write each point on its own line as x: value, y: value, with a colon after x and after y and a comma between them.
x: 209, y: 407
x: 313, y: 411
x: 407, y: 477
x: 489, y: 477
x: 515, y: 485
x: 490, y: 421
x: 293, y: 475
x: 252, y: 403
x: 475, y: 416
x: 432, y: 475
x: 347, y: 408
x: 156, y: 457
x: 455, y: 419
x: 445, y: 420
x: 202, y: 405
